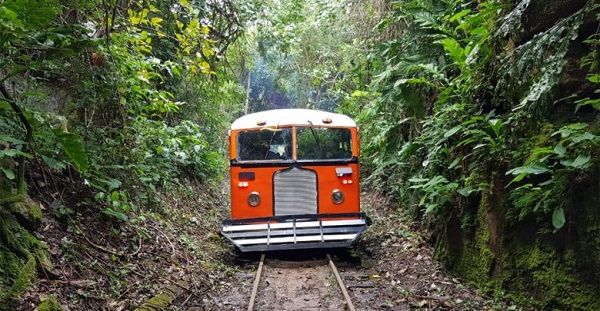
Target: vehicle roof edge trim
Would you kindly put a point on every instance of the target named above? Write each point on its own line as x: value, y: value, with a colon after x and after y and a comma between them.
x: 292, y: 117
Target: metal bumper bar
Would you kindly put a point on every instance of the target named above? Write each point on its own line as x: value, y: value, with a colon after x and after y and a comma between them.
x: 295, y: 231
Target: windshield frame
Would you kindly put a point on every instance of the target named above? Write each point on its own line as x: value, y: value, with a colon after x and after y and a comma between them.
x: 293, y: 145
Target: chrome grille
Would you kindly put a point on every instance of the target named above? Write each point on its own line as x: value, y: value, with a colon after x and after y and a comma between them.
x: 295, y: 192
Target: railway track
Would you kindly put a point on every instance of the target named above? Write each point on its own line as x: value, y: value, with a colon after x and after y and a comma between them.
x: 300, y: 290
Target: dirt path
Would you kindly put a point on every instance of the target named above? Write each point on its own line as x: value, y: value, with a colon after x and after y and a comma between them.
x: 299, y: 285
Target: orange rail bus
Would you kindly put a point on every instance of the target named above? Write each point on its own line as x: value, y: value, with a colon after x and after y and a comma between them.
x: 294, y: 181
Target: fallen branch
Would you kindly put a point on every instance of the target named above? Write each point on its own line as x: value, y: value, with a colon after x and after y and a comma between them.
x: 116, y: 253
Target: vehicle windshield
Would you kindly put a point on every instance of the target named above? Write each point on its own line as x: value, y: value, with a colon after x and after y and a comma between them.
x: 313, y: 143
x: 323, y: 143
x: 265, y: 144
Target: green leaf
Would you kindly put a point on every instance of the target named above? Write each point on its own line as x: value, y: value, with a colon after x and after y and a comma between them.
x: 431, y: 208
x: 455, y: 50
x: 12, y: 140
x: 466, y: 191
x: 560, y: 150
x: 454, y: 163
x: 54, y: 163
x: 587, y: 136
x: 558, y: 218
x: 418, y: 180
x: 119, y: 215
x: 579, y: 162
x: 14, y: 153
x: 114, y: 196
x: 534, y: 168
x: 460, y: 15
x: 71, y: 144
x: 518, y: 178
x: 539, y: 151
x: 10, y: 174
x: 453, y: 131
x: 496, y: 125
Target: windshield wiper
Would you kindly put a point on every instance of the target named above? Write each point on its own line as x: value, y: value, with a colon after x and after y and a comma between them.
x: 312, y: 129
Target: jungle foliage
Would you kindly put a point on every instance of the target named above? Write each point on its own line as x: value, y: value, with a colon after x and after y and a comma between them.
x: 486, y: 129
x: 110, y: 106
x: 124, y: 95
x: 479, y: 117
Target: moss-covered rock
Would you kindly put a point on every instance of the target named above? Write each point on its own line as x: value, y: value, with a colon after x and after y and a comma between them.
x: 160, y: 301
x: 10, y: 265
x: 28, y: 213
x: 21, y: 257
x: 552, y: 270
x: 550, y: 277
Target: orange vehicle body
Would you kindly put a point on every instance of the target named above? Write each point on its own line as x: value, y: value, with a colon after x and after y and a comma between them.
x: 328, y: 181
x: 308, y: 177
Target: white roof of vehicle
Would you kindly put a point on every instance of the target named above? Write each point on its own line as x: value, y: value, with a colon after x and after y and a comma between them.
x: 287, y: 117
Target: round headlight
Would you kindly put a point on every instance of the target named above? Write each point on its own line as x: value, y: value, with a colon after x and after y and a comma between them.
x: 337, y: 196
x: 253, y: 199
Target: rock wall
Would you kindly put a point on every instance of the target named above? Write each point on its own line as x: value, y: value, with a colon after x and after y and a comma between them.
x: 521, y: 258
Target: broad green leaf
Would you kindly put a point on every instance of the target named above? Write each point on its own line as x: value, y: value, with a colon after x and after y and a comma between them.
x: 54, y: 163
x: 534, y: 168
x: 584, y: 137
x: 185, y: 3
x: 579, y: 162
x: 99, y: 196
x: 558, y: 218
x: 431, y: 208
x: 560, y: 150
x: 14, y: 153
x: 73, y: 148
x: 460, y: 15
x: 12, y: 140
x: 10, y: 174
x: 466, y: 191
x: 114, y: 196
x: 570, y: 129
x: 418, y: 180
x: 454, y: 163
x: 455, y: 50
x: 119, y: 215
x: 496, y: 125
x: 518, y: 178
x: 453, y: 131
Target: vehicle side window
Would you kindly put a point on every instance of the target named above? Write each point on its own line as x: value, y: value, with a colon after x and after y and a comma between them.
x: 264, y: 144
x: 323, y: 143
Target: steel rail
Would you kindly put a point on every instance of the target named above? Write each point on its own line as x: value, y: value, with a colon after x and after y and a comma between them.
x: 341, y: 284
x: 256, y: 282
x: 331, y: 265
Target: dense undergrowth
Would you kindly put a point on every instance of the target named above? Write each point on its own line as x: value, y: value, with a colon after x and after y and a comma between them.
x: 485, y: 125
x: 109, y: 112
x: 479, y: 117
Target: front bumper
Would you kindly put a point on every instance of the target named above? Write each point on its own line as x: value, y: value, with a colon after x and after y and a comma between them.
x: 295, y: 231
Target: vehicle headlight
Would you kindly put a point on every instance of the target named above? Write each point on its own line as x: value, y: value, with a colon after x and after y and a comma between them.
x: 337, y: 196
x: 253, y: 199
